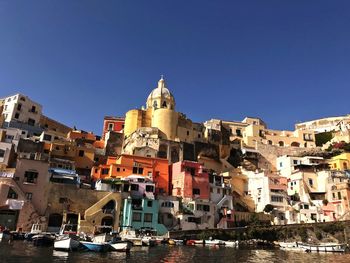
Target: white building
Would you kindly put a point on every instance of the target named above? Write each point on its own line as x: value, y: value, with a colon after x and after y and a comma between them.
x: 287, y: 164
x: 21, y: 112
x: 326, y: 124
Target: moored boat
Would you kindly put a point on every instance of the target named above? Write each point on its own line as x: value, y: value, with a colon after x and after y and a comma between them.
x: 66, y: 242
x: 121, y: 246
x: 231, y: 243
x: 4, y: 236
x: 96, y: 247
x: 43, y: 239
x: 214, y: 242
x: 327, y: 247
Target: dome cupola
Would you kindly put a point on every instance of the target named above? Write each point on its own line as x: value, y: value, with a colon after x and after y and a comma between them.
x: 161, y: 97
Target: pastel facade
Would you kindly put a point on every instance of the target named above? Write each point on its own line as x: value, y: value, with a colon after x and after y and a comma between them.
x: 190, y: 180
x: 252, y: 131
x: 340, y: 162
x: 287, y: 164
x: 156, y: 169
x: 326, y: 124
x: 142, y: 213
x: 114, y: 124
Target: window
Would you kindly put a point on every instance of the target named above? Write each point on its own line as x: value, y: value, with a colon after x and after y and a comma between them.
x: 12, y: 194
x: 2, y: 153
x: 295, y: 161
x: 149, y: 188
x: 275, y: 198
x: 339, y: 195
x: 311, y: 182
x: 188, y: 133
x: 19, y: 106
x: 238, y: 132
x: 137, y: 170
x: 30, y: 177
x: 164, y: 104
x: 105, y: 171
x: 199, y: 136
x: 31, y: 122
x: 136, y: 217
x: 16, y: 115
x: 134, y: 187
x: 81, y: 153
x: 22, y: 99
x: 33, y: 109
x: 281, y: 164
x: 47, y: 137
x: 110, y: 126
x: 148, y: 217
x: 29, y: 196
x: 269, y: 142
x: 194, y: 220
x: 118, y: 169
x: 281, y: 143
x: 196, y: 191
x: 149, y: 203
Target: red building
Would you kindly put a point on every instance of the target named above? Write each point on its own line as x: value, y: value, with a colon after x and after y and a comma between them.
x: 111, y: 123
x: 190, y: 180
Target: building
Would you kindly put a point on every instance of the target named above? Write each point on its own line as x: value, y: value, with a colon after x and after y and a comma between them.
x: 19, y: 111
x: 287, y: 164
x: 114, y: 124
x: 156, y: 169
x: 190, y: 180
x: 142, y: 213
x: 339, y: 123
x: 252, y: 131
x: 340, y: 162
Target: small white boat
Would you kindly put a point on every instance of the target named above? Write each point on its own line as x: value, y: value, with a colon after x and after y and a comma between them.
x: 289, y: 246
x: 66, y: 242
x: 327, y: 247
x: 121, y: 246
x: 231, y: 243
x: 214, y: 242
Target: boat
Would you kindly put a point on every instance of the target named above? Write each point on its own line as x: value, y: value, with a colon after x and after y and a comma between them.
x: 35, y: 230
x: 138, y: 238
x: 66, y: 242
x: 192, y: 242
x: 96, y: 247
x: 214, y: 242
x: 67, y: 239
x: 326, y: 247
x: 231, y: 243
x: 44, y: 239
x: 4, y: 236
x: 121, y: 246
x: 289, y: 246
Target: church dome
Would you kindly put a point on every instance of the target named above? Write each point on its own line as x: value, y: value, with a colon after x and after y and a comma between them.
x: 161, y: 97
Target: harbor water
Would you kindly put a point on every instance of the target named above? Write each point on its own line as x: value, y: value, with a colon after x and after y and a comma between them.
x: 21, y: 251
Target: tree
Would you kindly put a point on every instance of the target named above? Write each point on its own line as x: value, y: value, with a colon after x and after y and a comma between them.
x: 268, y: 208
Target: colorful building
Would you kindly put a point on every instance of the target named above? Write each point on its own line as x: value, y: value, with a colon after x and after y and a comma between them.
x: 142, y: 213
x: 115, y: 124
x: 190, y: 180
x: 156, y: 169
x: 340, y: 162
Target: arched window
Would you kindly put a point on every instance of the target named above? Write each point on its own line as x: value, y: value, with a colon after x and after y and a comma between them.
x: 164, y: 104
x: 281, y: 143
x: 295, y: 144
x: 345, y: 165
x: 269, y: 142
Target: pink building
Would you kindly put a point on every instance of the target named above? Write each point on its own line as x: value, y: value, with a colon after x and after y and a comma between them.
x: 190, y: 180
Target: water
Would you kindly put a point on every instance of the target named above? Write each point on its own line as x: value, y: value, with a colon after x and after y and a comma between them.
x: 20, y: 251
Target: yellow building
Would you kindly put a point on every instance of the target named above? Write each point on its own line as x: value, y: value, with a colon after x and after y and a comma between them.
x: 252, y: 131
x: 160, y: 113
x: 340, y: 162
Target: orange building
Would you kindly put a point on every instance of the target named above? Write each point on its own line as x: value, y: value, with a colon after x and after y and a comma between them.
x: 156, y: 169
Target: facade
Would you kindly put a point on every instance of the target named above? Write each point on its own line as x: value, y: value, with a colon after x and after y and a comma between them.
x: 21, y: 112
x: 114, y: 124
x: 339, y: 123
x: 287, y: 164
x: 190, y: 180
x: 156, y: 169
x: 340, y: 162
x: 142, y: 213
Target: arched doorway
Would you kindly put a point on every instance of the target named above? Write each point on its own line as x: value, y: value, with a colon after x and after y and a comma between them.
x: 55, y: 220
x: 72, y: 219
x: 109, y: 207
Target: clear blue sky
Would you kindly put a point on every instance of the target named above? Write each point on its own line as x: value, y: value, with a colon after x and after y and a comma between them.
x: 283, y: 61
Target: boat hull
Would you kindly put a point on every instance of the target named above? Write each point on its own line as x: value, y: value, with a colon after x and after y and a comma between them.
x: 66, y: 244
x: 123, y: 246
x: 42, y: 240
x: 96, y: 247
